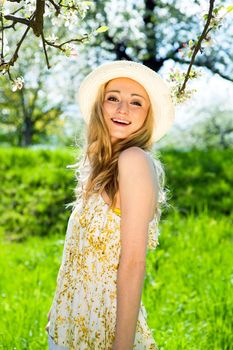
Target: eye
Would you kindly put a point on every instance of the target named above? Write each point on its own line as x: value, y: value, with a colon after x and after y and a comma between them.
x: 136, y: 103
x: 112, y: 98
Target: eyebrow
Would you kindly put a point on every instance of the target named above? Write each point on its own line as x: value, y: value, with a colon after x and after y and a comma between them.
x: 131, y: 94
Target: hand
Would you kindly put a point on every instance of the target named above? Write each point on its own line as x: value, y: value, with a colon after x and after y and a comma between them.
x: 47, y: 326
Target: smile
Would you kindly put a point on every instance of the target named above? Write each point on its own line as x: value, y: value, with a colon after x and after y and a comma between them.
x: 120, y: 122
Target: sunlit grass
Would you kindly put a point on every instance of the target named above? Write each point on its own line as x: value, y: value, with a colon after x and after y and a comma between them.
x: 187, y: 291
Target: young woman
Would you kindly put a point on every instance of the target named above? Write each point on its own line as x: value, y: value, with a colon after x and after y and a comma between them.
x: 97, y: 303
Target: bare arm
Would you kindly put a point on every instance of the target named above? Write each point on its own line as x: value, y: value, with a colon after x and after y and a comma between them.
x: 129, y: 289
x: 137, y: 196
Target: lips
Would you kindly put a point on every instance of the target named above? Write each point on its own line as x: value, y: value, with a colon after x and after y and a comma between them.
x: 120, y: 122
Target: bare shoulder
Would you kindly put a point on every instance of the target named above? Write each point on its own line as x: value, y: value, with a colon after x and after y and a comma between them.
x: 135, y: 164
x: 133, y: 155
x: 135, y: 158
x: 137, y: 174
x: 132, y: 151
x: 137, y: 201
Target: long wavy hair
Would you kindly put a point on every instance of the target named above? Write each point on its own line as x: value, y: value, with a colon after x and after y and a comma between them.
x: 102, y: 155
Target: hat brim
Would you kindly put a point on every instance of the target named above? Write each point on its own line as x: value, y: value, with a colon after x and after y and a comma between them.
x: 158, y: 91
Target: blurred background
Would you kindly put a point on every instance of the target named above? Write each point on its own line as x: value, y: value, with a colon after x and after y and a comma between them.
x: 188, y: 284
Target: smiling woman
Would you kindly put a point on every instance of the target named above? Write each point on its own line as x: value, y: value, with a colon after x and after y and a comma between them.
x: 97, y: 303
x: 125, y: 107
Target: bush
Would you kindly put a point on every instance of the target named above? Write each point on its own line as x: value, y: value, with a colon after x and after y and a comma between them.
x: 199, y: 179
x: 36, y: 186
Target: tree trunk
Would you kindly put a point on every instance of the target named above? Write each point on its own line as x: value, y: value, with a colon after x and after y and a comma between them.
x: 28, y: 124
x: 27, y: 133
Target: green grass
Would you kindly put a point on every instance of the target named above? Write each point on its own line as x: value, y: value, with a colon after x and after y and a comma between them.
x: 187, y: 292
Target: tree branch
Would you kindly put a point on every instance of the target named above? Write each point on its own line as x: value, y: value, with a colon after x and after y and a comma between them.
x: 60, y: 46
x: 6, y: 65
x: 150, y: 30
x: 15, y: 55
x: 45, y: 51
x: 198, y: 45
x: 206, y: 64
x: 17, y: 19
x: 38, y: 23
x: 2, y: 40
x: 17, y: 10
x: 56, y: 6
x: 216, y: 70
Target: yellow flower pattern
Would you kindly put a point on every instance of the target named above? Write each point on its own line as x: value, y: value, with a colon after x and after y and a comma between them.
x: 83, y: 312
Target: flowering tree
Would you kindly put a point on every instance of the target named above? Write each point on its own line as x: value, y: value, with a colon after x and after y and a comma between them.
x: 29, y: 115
x: 149, y: 31
x: 39, y: 15
x: 154, y: 32
x: 213, y: 20
x: 49, y: 20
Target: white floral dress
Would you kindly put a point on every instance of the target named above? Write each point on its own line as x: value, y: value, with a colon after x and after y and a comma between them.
x: 83, y: 312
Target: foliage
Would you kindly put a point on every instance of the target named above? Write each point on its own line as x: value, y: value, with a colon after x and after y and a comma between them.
x: 28, y: 115
x: 212, y: 129
x: 215, y: 131
x: 160, y: 32
x: 68, y: 13
x: 187, y: 289
x: 34, y: 114
x: 199, y: 179
x: 36, y: 186
x: 213, y: 22
x: 154, y: 33
x: 41, y: 17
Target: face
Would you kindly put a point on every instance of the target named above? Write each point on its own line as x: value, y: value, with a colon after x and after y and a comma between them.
x: 125, y: 107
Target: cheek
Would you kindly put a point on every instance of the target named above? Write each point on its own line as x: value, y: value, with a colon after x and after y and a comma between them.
x: 107, y: 108
x: 141, y: 117
x: 144, y: 118
x: 104, y: 111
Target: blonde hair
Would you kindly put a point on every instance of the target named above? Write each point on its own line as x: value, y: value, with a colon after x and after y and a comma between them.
x: 102, y: 156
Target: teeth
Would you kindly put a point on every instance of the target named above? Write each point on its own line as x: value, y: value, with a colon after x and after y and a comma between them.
x: 120, y: 121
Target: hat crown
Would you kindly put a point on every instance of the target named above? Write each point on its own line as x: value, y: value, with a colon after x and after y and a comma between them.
x: 156, y: 88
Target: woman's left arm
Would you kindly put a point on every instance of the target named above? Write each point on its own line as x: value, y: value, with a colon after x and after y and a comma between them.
x: 137, y: 196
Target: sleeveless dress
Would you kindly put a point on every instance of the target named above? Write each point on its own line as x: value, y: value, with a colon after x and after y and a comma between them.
x: 83, y: 312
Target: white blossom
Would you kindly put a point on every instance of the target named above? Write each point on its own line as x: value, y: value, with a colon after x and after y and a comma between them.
x: 17, y: 84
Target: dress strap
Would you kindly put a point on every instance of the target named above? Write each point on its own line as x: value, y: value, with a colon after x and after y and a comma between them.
x: 117, y: 211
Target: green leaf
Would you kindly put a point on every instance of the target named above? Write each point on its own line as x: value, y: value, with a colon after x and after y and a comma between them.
x: 229, y: 8
x: 190, y: 43
x: 87, y: 3
x: 217, y: 9
x: 67, y: 52
x: 190, y: 54
x: 101, y: 29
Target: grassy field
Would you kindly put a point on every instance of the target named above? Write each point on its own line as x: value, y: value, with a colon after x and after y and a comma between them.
x: 187, y: 291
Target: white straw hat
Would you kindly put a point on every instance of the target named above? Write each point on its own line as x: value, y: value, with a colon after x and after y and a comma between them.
x: 156, y: 88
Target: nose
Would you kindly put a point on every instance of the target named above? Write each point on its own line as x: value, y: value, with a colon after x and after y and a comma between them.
x: 122, y: 107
